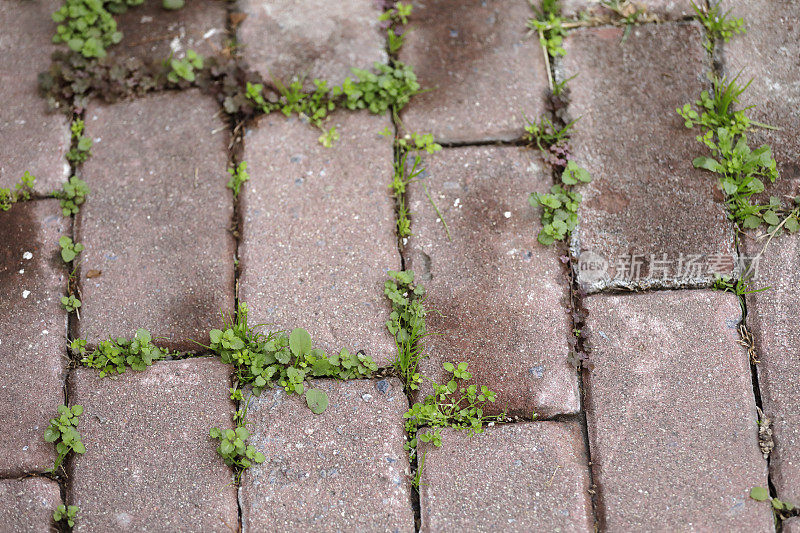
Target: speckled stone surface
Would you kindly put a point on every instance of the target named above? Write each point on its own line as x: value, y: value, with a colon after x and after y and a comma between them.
x: 152, y: 33
x: 791, y: 526
x: 32, y: 328
x: 498, y: 294
x: 150, y: 464
x: 646, y: 204
x: 772, y: 318
x: 767, y: 54
x: 664, y: 9
x: 27, y: 505
x: 514, y: 477
x: 342, y: 470
x: 157, y: 222
x: 671, y: 414
x: 485, y: 72
x: 319, y: 231
x: 34, y: 139
x: 309, y: 39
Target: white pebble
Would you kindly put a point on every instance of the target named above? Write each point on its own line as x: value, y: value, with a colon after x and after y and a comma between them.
x: 507, y: 214
x: 27, y: 255
x: 366, y: 397
x: 25, y: 294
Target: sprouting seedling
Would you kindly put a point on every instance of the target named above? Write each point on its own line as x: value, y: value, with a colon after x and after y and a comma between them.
x: 69, y: 249
x: 184, y: 69
x: 83, y: 144
x: 239, y: 175
x: 717, y: 22
x: 234, y: 450
x: 22, y: 191
x: 72, y: 195
x: 63, y: 431
x: 67, y: 514
x: 71, y: 304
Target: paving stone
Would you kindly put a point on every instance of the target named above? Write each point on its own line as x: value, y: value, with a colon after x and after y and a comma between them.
x: 27, y: 505
x: 33, y: 325
x: 485, y: 71
x: 671, y: 414
x: 772, y: 317
x: 513, y: 477
x: 767, y: 54
x: 791, y: 526
x: 149, y: 463
x: 344, y: 469
x: 151, y: 32
x: 646, y: 205
x: 33, y: 138
x: 157, y: 221
x: 319, y: 231
x: 664, y: 9
x: 499, y: 293
x: 309, y: 39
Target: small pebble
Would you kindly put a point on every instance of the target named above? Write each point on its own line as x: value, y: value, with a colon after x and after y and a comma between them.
x: 366, y: 397
x: 382, y: 386
x: 25, y: 294
x: 507, y: 214
x: 27, y: 255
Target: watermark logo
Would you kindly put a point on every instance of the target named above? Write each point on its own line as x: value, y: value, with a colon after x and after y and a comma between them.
x: 592, y: 267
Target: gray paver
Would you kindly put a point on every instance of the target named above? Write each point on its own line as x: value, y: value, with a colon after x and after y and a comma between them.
x: 671, y: 414
x: 150, y: 464
x: 344, y: 469
x: 157, y: 222
x: 485, y: 71
x: 32, y: 329
x: 27, y: 505
x: 515, y: 477
x: 33, y: 138
x: 646, y: 204
x: 319, y: 232
x: 499, y: 294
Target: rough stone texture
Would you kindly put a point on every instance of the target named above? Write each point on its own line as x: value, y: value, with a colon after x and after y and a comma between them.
x: 149, y: 463
x: 646, y: 204
x: 791, y: 526
x: 309, y: 39
x: 32, y: 329
x: 27, y: 505
x: 515, y: 477
x: 772, y: 317
x: 484, y: 70
x: 671, y: 414
x: 768, y: 54
x: 342, y: 470
x: 498, y: 292
x: 152, y: 33
x: 33, y: 138
x: 318, y: 233
x: 664, y: 9
x: 157, y: 221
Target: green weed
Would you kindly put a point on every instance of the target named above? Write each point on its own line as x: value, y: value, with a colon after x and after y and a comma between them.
x: 70, y: 303
x: 67, y: 514
x: 740, y: 287
x: 234, y: 450
x: 63, y: 431
x: 72, y: 195
x: 717, y: 23
x: 544, y: 133
x: 239, y: 175
x: 114, y: 356
x: 184, y: 69
x: 548, y: 23
x: 782, y: 509
x: 407, y: 324
x: 69, y: 249
x: 21, y: 192
x: 560, y: 206
x: 83, y: 144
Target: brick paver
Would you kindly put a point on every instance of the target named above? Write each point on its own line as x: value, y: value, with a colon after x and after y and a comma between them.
x: 153, y: 33
x: 310, y: 39
x: 318, y: 232
x: 767, y: 55
x: 157, y: 223
x: 150, y: 464
x: 32, y: 329
x: 343, y: 470
x: 772, y: 316
x: 664, y: 9
x: 671, y: 414
x: 517, y: 477
x: 485, y: 71
x: 646, y: 204
x: 33, y: 138
x: 498, y: 293
x: 791, y: 526
x: 27, y: 505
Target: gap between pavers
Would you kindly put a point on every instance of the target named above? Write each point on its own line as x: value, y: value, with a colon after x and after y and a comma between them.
x: 27, y: 505
x: 342, y: 470
x: 671, y: 414
x: 497, y: 298
x: 33, y: 326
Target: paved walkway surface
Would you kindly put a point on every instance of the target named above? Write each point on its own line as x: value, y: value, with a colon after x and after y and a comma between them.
x: 659, y: 431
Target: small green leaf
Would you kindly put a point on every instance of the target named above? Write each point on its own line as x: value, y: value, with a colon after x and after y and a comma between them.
x: 299, y: 342
x: 759, y: 494
x: 317, y: 400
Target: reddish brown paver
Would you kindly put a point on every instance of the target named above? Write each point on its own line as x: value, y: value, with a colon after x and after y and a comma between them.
x: 767, y: 54
x: 344, y: 469
x: 34, y: 139
x: 791, y: 526
x: 318, y: 232
x: 152, y: 33
x: 499, y: 295
x: 646, y: 205
x: 32, y: 330
x: 150, y: 464
x: 664, y: 9
x: 157, y: 222
x: 307, y: 39
x: 27, y: 505
x: 671, y: 414
x: 772, y: 317
x: 514, y: 477
x: 484, y: 69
